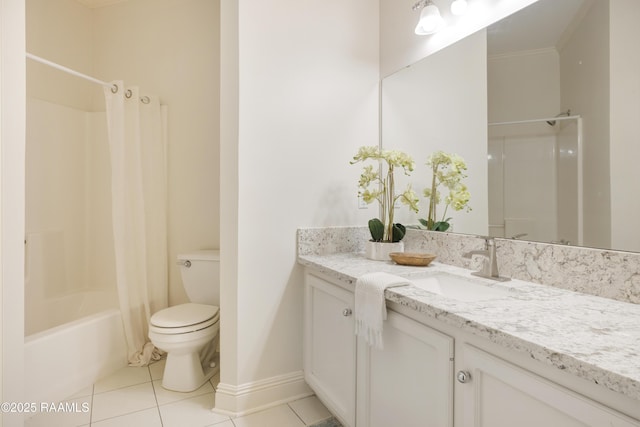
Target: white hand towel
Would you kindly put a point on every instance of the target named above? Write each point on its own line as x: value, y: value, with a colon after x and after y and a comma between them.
x: 370, y: 306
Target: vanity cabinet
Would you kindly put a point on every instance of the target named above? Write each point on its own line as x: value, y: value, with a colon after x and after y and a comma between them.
x: 416, y: 380
x: 496, y: 393
x: 409, y: 382
x: 330, y: 346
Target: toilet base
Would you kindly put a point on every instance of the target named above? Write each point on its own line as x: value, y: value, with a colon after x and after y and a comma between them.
x: 185, y: 373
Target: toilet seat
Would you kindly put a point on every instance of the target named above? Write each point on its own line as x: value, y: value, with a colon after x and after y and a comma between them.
x: 184, y: 318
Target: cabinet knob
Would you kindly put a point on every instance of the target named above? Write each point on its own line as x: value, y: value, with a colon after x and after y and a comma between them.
x: 463, y: 377
x: 346, y: 312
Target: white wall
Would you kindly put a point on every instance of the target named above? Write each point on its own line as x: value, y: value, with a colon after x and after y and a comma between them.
x: 306, y: 99
x: 522, y: 198
x: 12, y: 148
x: 60, y: 31
x: 585, y: 89
x: 625, y: 138
x: 171, y: 48
x: 440, y: 103
x: 523, y: 85
x: 400, y: 46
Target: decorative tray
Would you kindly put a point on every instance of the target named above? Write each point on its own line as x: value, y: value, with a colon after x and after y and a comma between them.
x: 412, y: 258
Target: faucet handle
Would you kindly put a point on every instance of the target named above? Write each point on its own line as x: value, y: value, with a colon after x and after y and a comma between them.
x: 490, y: 264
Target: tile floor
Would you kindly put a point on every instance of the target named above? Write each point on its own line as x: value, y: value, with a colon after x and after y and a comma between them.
x: 135, y: 397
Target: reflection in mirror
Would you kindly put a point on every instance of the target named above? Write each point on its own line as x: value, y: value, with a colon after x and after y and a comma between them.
x: 440, y: 104
x: 574, y: 57
x: 535, y: 184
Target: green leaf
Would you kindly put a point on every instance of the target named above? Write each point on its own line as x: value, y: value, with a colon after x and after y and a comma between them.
x: 399, y: 231
x: 441, y: 226
x: 376, y: 228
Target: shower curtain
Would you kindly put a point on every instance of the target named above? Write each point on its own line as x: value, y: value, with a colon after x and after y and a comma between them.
x: 137, y: 137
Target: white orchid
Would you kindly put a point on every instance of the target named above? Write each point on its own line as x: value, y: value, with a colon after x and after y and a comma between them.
x: 448, y: 170
x: 384, y: 189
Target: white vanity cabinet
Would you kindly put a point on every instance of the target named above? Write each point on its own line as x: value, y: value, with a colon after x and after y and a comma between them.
x: 496, y: 393
x: 409, y: 382
x: 330, y: 346
x: 417, y: 380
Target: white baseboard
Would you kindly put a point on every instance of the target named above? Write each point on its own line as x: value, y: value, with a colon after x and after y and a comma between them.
x: 251, y: 397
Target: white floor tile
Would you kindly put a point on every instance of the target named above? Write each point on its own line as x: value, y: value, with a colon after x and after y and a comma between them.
x: 123, y: 401
x: 146, y: 418
x: 164, y: 396
x: 279, y: 416
x: 157, y: 369
x: 125, y: 377
x: 135, y: 397
x: 193, y: 412
x: 77, y: 416
x: 87, y: 391
x: 310, y: 410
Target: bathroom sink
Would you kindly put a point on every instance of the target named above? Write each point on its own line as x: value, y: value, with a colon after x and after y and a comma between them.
x: 458, y: 287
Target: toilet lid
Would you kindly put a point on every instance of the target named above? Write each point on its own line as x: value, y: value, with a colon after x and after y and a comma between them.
x: 183, y: 315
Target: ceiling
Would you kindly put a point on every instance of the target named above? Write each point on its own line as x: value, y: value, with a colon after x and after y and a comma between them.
x: 543, y: 24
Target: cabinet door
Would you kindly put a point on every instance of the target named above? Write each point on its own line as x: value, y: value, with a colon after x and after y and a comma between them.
x: 409, y: 383
x: 330, y: 347
x: 499, y: 394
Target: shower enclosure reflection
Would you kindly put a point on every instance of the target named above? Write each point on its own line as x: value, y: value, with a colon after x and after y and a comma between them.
x: 535, y: 180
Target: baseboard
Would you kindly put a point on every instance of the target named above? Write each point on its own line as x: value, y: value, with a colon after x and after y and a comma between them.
x: 251, y: 397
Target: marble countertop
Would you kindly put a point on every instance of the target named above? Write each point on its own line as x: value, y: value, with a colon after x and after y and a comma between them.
x: 595, y: 338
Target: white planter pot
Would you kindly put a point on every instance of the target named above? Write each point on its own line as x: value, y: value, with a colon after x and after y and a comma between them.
x: 379, y: 251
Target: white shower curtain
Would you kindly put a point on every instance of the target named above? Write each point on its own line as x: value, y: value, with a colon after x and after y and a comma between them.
x: 137, y: 141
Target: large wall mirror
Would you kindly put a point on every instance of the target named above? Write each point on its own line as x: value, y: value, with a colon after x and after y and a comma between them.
x: 544, y: 107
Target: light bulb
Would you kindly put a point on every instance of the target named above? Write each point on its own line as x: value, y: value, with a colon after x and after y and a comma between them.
x: 430, y: 20
x: 459, y: 7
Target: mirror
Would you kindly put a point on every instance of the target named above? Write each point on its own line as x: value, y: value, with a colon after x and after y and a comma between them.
x: 559, y: 82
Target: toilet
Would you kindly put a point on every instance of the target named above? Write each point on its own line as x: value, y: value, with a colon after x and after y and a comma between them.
x: 189, y: 332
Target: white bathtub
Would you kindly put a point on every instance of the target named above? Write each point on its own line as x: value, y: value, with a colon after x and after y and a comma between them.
x: 44, y: 313
x: 65, y: 359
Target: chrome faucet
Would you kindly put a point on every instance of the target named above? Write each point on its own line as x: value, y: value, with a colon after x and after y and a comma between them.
x: 490, y: 261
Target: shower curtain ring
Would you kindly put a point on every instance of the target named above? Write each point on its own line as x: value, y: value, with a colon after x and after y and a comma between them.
x: 128, y: 93
x: 114, y: 88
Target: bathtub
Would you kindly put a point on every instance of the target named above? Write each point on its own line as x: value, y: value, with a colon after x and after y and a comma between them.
x: 43, y: 313
x: 63, y: 360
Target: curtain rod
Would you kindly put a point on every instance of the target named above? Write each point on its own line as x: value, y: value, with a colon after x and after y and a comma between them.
x: 519, y: 122
x: 114, y: 88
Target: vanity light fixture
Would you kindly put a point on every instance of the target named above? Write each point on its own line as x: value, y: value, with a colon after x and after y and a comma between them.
x: 430, y: 19
x: 459, y: 7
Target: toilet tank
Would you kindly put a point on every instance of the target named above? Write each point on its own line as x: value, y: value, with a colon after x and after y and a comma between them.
x: 200, y: 272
